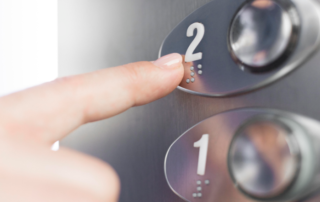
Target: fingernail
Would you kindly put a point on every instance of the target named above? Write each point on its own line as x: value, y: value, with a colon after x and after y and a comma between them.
x: 170, y: 61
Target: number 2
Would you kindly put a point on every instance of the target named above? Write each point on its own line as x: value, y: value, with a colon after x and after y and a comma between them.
x: 202, y: 161
x: 190, y: 56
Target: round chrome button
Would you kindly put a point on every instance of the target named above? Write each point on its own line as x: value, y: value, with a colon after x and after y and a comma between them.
x: 263, y: 158
x: 263, y: 33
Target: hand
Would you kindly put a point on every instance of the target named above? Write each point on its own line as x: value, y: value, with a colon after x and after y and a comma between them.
x: 32, y: 120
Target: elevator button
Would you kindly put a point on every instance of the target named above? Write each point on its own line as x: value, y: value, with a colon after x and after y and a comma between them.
x: 262, y: 33
x: 237, y: 46
x: 264, y: 158
x: 246, y: 155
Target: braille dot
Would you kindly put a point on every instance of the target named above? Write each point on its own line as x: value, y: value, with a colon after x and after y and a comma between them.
x: 199, y: 195
x: 199, y: 66
x: 195, y: 195
x: 192, y: 73
x: 200, y: 72
x: 188, y: 80
x: 191, y: 68
x: 207, y: 182
x: 198, y: 182
x: 199, y: 188
x: 192, y: 80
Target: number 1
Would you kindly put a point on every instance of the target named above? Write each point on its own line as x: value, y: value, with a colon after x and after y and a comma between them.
x: 202, y: 161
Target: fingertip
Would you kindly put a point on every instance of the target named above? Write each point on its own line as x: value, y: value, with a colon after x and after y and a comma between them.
x: 174, y: 63
x: 171, y: 61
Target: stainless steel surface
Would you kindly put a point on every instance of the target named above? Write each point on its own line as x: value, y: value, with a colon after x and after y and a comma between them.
x: 262, y: 32
x: 223, y: 130
x: 96, y: 34
x: 221, y: 75
x: 264, y: 157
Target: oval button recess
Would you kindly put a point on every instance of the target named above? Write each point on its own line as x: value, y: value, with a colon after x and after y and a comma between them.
x: 264, y: 156
x: 246, y: 155
x: 263, y: 33
x: 231, y: 47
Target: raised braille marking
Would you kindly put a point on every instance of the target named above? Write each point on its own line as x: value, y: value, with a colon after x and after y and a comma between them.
x: 198, y: 182
x: 199, y: 188
x: 199, y: 195
x: 192, y: 80
x: 195, y: 195
x: 207, y: 182
x: 191, y: 68
x: 199, y: 66
x: 200, y: 72
x: 192, y: 73
x: 188, y: 80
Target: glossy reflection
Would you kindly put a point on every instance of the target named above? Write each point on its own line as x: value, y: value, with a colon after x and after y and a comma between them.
x: 260, y: 33
x: 263, y: 158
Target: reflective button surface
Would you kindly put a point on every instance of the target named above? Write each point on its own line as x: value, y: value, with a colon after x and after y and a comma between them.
x: 264, y: 158
x: 261, y: 33
x: 260, y: 39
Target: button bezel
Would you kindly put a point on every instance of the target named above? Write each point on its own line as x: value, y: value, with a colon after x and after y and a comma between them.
x: 221, y: 76
x: 291, y: 129
x: 180, y: 165
x: 291, y: 11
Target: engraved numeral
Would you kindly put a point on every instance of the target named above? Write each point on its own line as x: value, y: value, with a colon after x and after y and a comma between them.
x: 190, y: 56
x: 202, y: 161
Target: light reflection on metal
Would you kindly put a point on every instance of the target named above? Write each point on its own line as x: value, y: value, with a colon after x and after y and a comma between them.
x: 264, y: 157
x: 263, y: 33
x: 182, y: 158
x: 222, y: 75
x: 55, y: 146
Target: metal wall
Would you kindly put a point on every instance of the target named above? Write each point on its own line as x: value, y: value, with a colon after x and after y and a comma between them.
x: 96, y: 34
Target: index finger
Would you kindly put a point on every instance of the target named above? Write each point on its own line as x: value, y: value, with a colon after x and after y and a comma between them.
x: 50, y: 111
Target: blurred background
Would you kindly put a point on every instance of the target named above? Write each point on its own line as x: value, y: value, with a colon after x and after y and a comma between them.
x: 28, y: 43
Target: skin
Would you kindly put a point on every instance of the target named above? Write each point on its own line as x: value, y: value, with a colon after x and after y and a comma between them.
x: 33, y: 119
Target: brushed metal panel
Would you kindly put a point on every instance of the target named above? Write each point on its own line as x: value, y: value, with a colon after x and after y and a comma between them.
x: 95, y: 34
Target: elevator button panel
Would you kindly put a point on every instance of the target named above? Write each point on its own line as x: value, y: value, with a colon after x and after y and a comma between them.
x: 232, y: 47
x: 247, y: 155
